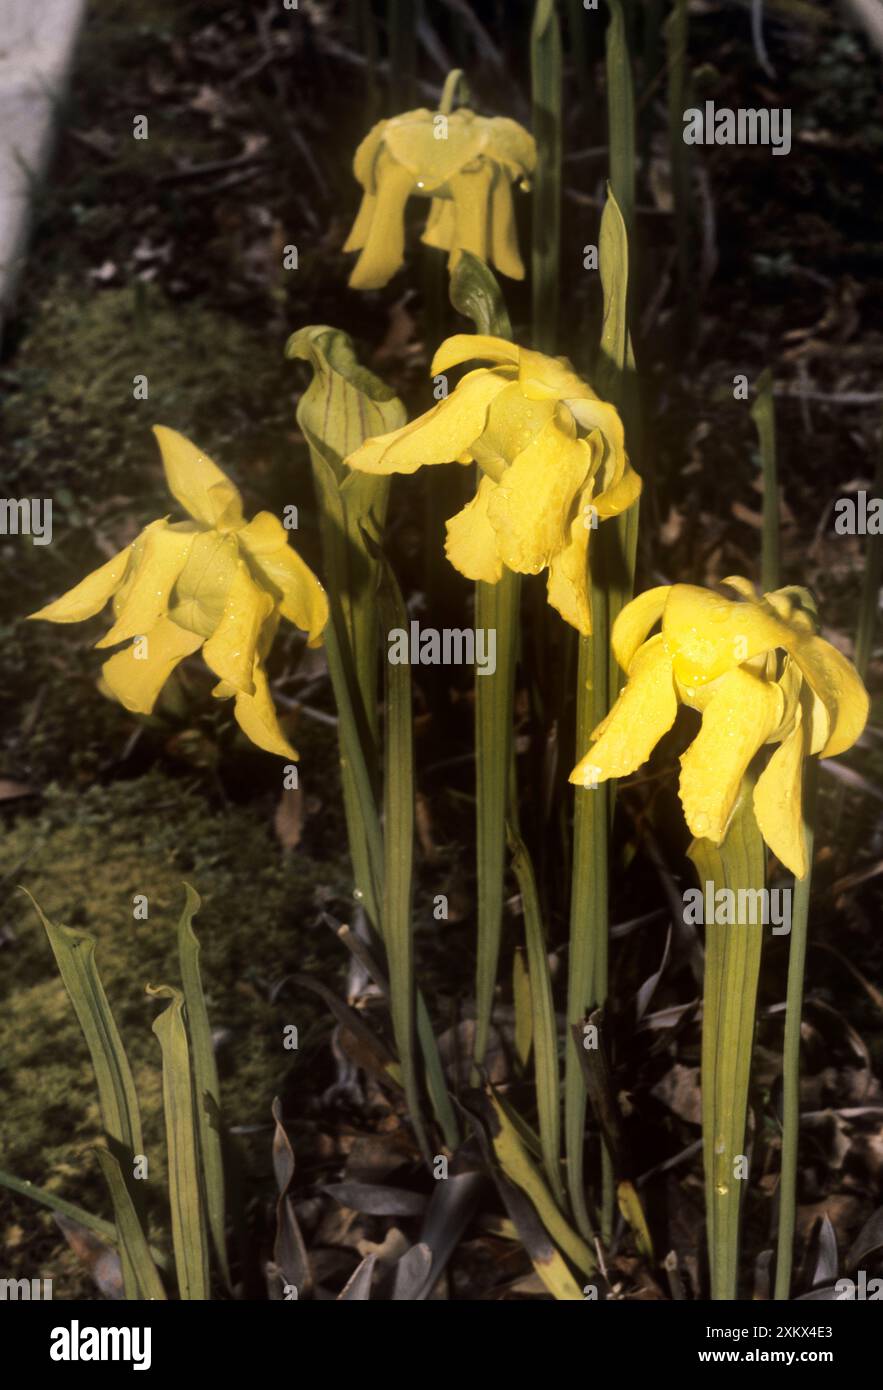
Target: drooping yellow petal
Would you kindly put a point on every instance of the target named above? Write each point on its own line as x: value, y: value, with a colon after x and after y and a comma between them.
x: 737, y: 721
x: 530, y: 510
x: 146, y: 597
x: 201, y: 590
x: 441, y: 435
x: 471, y: 191
x: 362, y: 225
x: 510, y: 144
x: 505, y: 253
x: 838, y: 686
x: 230, y: 651
x: 623, y: 494
x: 644, y: 711
x: 136, y: 675
x: 473, y: 347
x: 568, y: 587
x: 256, y: 717
x: 593, y: 414
x: 365, y: 159
x: 363, y: 168
x: 778, y: 802
x: 384, y: 247
x: 197, y: 483
x: 440, y: 225
x: 88, y: 597
x: 278, y: 567
x: 635, y: 620
x: 471, y: 544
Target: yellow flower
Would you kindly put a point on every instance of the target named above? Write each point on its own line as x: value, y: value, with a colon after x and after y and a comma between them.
x: 213, y: 582
x: 758, y: 674
x: 553, y: 463
x: 465, y: 163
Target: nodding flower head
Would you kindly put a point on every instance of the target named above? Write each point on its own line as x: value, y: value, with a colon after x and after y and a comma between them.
x: 214, y: 582
x: 758, y: 674
x: 466, y: 165
x: 553, y: 463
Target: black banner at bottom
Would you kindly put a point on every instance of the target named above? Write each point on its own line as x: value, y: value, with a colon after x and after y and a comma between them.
x: 75, y: 1339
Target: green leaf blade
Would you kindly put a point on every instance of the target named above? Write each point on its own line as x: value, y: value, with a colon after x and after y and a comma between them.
x: 185, y: 1195
x: 205, y: 1079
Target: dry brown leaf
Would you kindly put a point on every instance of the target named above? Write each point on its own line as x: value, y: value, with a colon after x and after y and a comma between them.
x: 289, y: 817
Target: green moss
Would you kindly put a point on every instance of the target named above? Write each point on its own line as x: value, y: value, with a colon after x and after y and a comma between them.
x: 72, y: 425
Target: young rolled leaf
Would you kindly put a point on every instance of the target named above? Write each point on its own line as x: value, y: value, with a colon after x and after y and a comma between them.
x: 398, y: 867
x: 763, y: 413
x: 617, y: 382
x: 496, y: 610
x: 612, y: 579
x: 189, y: 1237
x: 676, y: 29
x: 621, y: 112
x: 205, y: 1079
x: 130, y: 1235
x: 343, y: 405
x: 545, y: 73
x: 797, y: 942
